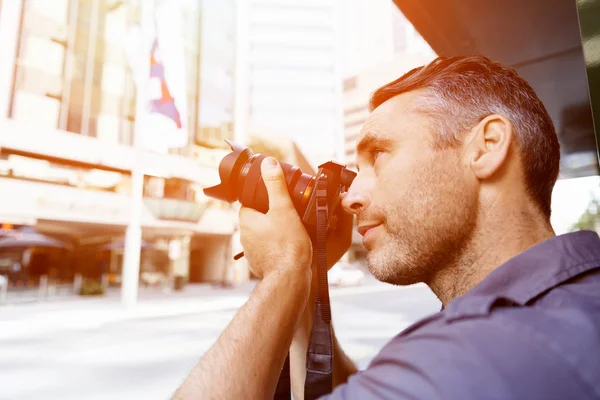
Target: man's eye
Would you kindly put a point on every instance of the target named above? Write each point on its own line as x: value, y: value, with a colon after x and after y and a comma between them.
x: 375, y: 154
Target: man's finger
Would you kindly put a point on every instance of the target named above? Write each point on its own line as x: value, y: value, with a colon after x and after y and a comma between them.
x: 272, y: 174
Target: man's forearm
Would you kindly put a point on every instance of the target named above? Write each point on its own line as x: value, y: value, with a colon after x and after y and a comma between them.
x: 246, y: 360
x: 343, y: 366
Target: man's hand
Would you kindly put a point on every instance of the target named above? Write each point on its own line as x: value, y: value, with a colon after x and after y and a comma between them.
x: 277, y: 240
x: 246, y: 360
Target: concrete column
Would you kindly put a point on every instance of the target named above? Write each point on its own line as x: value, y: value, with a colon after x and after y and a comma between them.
x: 3, y: 289
x: 10, y: 19
x: 77, y: 281
x: 179, y: 256
x: 133, y: 235
x: 43, y: 289
x: 105, y: 282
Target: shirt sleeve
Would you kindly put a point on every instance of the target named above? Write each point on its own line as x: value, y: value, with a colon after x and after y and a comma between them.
x: 477, y: 358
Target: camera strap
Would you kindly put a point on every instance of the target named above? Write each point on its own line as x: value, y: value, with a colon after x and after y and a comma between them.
x: 319, y: 355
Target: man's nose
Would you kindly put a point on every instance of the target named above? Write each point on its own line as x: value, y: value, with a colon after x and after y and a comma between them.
x: 356, y: 199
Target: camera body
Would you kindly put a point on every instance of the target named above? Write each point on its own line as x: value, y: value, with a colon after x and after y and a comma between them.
x: 241, y: 180
x: 338, y: 179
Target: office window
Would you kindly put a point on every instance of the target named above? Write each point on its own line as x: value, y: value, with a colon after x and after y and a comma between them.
x: 115, y: 25
x: 36, y: 110
x: 113, y: 79
x: 55, y: 10
x: 108, y: 128
x: 42, y: 54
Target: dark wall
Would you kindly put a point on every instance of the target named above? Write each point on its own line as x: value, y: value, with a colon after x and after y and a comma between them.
x: 542, y: 40
x: 589, y: 20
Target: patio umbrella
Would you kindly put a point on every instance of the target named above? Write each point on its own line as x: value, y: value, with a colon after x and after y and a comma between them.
x: 29, y: 237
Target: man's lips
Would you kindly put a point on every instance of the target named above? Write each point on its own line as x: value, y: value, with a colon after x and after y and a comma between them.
x: 362, y: 229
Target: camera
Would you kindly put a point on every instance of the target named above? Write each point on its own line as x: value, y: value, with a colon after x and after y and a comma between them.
x: 241, y: 180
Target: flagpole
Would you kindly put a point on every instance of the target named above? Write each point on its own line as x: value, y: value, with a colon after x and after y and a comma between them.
x: 133, y: 234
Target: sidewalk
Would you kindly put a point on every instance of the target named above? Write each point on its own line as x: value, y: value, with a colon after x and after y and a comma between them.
x: 83, y: 313
x: 89, y: 313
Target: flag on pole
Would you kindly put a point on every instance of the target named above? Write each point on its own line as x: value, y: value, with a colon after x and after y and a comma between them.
x: 162, y: 100
x: 165, y: 125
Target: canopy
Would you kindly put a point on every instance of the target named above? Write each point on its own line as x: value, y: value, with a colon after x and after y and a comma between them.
x: 542, y: 40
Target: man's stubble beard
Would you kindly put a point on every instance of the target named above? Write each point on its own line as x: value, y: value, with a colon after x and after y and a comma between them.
x: 426, y: 230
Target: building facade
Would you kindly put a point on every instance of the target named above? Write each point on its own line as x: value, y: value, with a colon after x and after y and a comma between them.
x: 374, y: 31
x: 67, y: 128
x: 293, y: 73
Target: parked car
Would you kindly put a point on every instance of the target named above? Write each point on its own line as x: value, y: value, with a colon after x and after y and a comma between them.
x: 344, y: 274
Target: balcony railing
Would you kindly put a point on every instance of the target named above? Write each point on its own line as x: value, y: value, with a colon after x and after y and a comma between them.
x: 177, y: 210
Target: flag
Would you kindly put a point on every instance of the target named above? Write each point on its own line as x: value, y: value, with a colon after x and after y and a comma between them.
x: 156, y: 57
x: 162, y: 100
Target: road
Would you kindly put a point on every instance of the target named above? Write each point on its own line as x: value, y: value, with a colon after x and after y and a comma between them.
x: 148, y: 357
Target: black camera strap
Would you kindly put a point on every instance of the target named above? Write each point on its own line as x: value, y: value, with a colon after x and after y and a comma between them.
x: 319, y: 356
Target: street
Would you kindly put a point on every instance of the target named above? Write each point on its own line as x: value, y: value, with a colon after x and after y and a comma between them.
x: 95, y: 351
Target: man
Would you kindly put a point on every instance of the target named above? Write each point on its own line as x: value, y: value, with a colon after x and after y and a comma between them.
x: 457, y: 162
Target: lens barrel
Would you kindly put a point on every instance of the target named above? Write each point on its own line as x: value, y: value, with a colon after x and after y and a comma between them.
x: 241, y: 180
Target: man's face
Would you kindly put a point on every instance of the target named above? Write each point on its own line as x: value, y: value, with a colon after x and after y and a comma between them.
x: 419, y: 200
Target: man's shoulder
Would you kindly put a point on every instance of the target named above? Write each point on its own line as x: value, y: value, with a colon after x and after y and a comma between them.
x: 558, y: 337
x: 497, y: 356
x: 495, y: 348
x: 493, y: 357
x: 566, y: 318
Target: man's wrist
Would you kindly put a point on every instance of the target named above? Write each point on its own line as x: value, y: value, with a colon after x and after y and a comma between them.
x: 296, y: 280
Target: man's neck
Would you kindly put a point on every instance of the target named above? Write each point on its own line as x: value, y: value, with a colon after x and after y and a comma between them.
x: 495, y: 241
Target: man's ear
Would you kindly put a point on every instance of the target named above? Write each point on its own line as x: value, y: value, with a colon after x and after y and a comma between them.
x: 489, y: 146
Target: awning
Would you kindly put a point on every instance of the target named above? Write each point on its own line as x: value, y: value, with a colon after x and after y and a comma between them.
x: 541, y: 39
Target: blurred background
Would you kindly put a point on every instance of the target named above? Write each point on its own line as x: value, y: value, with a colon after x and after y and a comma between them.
x: 116, y: 272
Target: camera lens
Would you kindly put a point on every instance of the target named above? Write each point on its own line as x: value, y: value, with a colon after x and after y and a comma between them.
x: 241, y: 180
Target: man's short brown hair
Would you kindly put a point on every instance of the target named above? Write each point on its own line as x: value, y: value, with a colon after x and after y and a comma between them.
x: 458, y: 92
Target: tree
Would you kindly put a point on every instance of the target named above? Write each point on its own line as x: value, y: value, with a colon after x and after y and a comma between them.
x: 590, y: 218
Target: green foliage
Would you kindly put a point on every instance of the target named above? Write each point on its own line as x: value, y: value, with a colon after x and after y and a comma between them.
x: 590, y: 218
x: 91, y: 288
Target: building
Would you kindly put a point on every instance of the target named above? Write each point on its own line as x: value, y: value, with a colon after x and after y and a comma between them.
x: 374, y: 31
x: 293, y: 73
x: 380, y: 45
x: 67, y: 99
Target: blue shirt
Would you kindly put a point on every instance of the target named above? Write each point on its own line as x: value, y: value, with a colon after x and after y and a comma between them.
x: 530, y: 330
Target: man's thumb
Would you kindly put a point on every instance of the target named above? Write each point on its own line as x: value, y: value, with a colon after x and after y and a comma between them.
x: 275, y: 182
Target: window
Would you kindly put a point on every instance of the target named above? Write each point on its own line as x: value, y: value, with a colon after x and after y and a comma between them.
x: 36, y: 110
x: 42, y: 54
x: 55, y: 10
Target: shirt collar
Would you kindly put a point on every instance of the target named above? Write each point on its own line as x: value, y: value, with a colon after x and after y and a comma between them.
x: 533, y: 272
